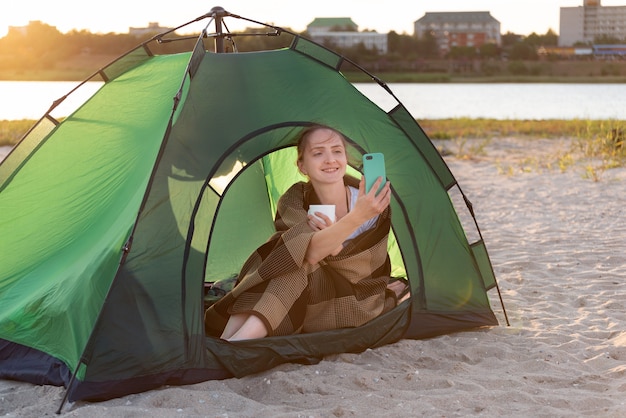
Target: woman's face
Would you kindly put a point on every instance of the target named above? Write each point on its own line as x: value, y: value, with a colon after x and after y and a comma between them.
x: 324, y: 158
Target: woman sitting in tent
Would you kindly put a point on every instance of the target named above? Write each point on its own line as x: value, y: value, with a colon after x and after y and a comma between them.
x: 314, y: 273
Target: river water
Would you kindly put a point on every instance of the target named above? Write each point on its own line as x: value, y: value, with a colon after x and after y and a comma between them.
x: 31, y: 99
x: 511, y: 101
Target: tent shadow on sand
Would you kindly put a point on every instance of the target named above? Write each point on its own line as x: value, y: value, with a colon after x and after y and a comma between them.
x: 167, y: 179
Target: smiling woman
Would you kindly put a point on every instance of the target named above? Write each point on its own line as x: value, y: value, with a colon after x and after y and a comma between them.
x: 283, y: 289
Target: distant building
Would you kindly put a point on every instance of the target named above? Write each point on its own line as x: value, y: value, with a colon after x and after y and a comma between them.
x: 152, y: 28
x: 331, y: 24
x: 23, y: 30
x: 459, y: 29
x: 583, y: 24
x: 342, y: 32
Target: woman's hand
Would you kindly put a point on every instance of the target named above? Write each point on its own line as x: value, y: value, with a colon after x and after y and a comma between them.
x: 371, y: 204
x: 330, y: 242
x: 319, y: 222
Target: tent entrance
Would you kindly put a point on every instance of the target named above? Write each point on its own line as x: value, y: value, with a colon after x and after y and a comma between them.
x: 236, y: 206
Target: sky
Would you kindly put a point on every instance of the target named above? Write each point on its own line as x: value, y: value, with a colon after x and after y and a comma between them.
x: 522, y: 17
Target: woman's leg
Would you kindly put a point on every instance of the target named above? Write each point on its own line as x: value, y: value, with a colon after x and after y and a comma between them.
x: 244, y: 327
x: 401, y: 289
x: 232, y: 326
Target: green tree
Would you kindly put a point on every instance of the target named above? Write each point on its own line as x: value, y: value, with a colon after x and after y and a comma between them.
x: 403, y: 45
x: 427, y: 46
x: 34, y: 48
x: 550, y: 38
x: 462, y: 52
x: 509, y: 39
x: 607, y: 40
x: 533, y: 40
x: 489, y: 51
x: 523, y: 51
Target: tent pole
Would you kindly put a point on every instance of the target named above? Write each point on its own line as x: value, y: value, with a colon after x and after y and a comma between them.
x: 67, y: 389
x: 506, y: 317
x: 218, y: 14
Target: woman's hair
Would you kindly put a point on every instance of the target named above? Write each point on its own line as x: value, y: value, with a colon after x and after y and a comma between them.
x: 304, y: 135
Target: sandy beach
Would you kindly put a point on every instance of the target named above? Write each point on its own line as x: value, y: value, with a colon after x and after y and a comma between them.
x: 557, y: 241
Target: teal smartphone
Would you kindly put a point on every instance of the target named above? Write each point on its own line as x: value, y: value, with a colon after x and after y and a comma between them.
x: 374, y: 167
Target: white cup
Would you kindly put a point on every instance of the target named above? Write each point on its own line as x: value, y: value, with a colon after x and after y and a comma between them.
x: 328, y: 210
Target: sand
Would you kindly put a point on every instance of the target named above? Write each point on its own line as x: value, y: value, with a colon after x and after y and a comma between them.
x: 556, y: 240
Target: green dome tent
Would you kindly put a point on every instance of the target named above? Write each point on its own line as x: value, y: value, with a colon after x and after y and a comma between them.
x: 166, y: 179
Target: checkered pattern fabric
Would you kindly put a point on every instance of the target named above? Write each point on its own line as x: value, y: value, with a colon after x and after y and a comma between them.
x: 292, y: 296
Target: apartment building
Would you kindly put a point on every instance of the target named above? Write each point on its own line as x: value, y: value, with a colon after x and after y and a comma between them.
x: 342, y: 32
x: 459, y: 29
x: 151, y: 29
x: 584, y: 24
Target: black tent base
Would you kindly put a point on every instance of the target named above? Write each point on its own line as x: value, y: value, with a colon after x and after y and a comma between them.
x: 432, y: 324
x: 18, y: 362
x: 102, y: 391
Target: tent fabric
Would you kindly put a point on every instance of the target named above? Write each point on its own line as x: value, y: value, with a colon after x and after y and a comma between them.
x: 167, y: 178
x: 71, y: 207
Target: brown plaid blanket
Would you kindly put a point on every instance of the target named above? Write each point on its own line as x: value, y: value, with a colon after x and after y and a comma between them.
x: 292, y: 296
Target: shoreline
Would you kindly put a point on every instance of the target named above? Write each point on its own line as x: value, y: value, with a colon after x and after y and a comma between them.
x: 11, y: 131
x: 592, y: 75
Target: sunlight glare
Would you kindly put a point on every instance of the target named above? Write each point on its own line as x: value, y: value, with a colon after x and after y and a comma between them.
x: 220, y: 183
